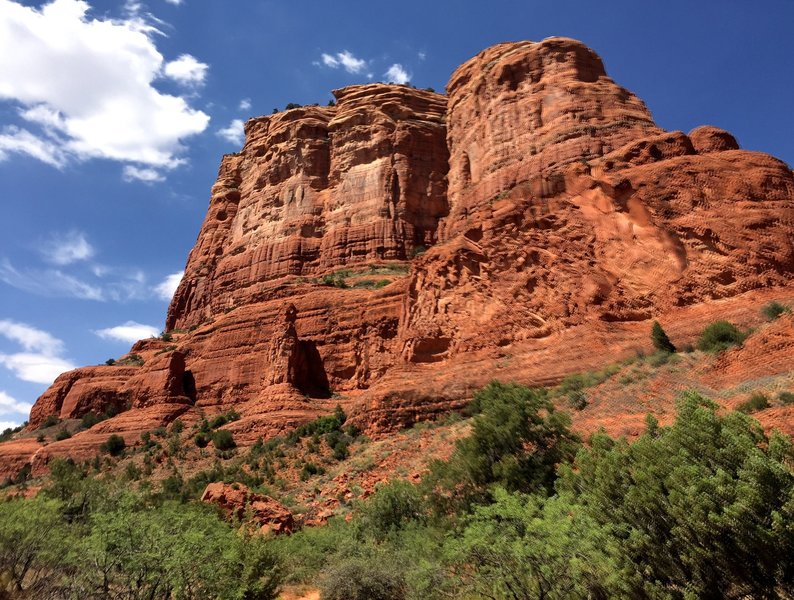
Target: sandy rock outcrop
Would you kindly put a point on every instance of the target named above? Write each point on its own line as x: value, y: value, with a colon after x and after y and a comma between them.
x: 394, y: 252
x: 240, y: 503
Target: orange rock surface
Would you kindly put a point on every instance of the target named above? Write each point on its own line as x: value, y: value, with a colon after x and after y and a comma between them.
x: 558, y: 221
x: 238, y: 502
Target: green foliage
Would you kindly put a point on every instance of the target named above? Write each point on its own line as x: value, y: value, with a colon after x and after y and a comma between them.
x: 50, y: 421
x: 114, y: 445
x: 177, y: 427
x: 110, y: 362
x: 720, y: 336
x: 699, y: 507
x: 517, y: 441
x: 309, y: 470
x: 62, y: 434
x: 531, y: 547
x: 786, y: 398
x: 132, y: 360
x: 357, y: 578
x: 391, y: 508
x: 659, y: 338
x: 292, y: 105
x: 773, y: 310
x: 201, y: 439
x: 418, y: 251
x: 577, y: 399
x: 754, y: 403
x: 89, y: 420
x: 223, y: 440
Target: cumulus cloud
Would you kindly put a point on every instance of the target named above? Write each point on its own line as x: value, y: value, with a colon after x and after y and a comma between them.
x: 166, y: 288
x: 186, y: 70
x: 245, y: 104
x: 129, y: 332
x: 85, y: 87
x: 67, y: 248
x: 30, y: 338
x: 346, y: 60
x: 233, y: 133
x: 41, y: 362
x: 145, y: 174
x: 9, y: 404
x: 397, y: 74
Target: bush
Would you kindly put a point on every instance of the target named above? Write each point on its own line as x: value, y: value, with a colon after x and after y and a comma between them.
x: 201, y: 440
x: 50, y: 421
x: 720, y: 336
x: 361, y: 579
x: 660, y: 339
x: 223, y: 440
x: 89, y: 420
x: 755, y: 403
x: 110, y: 362
x: 114, y: 445
x: 63, y: 434
x: 773, y: 310
x: 577, y: 399
x: 786, y: 398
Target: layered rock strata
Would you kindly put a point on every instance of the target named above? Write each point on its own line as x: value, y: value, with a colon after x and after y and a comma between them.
x: 395, y: 251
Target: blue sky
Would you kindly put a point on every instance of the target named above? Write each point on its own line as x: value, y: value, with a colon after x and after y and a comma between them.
x: 114, y: 115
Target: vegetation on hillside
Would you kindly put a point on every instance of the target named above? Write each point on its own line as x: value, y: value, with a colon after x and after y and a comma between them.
x: 522, y: 509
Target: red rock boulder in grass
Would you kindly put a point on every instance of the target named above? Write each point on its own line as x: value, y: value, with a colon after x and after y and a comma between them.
x: 240, y: 503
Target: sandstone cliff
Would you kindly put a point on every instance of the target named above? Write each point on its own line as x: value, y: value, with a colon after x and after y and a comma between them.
x: 396, y: 251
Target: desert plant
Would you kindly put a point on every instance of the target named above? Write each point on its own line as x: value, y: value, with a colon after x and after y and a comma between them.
x: 660, y: 339
x: 114, y: 445
x: 223, y: 440
x: 773, y: 310
x: 756, y: 402
x: 720, y: 336
x: 63, y: 434
x: 786, y: 398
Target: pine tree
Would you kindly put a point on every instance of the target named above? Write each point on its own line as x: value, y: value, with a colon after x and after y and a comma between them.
x: 660, y: 339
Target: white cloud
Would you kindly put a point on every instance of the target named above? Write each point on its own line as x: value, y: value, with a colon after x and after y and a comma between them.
x: 41, y: 362
x: 397, y: 74
x: 67, y: 248
x: 36, y: 368
x: 9, y: 404
x: 186, y: 70
x: 8, y: 425
x: 174, y: 2
x: 20, y: 141
x: 49, y: 282
x: 129, y: 332
x: 30, y: 338
x: 87, y: 84
x: 166, y: 288
x: 146, y: 174
x: 233, y: 133
x: 422, y: 55
x: 245, y: 104
x: 344, y: 59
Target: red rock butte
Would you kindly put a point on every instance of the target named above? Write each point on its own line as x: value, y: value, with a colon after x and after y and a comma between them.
x: 396, y: 251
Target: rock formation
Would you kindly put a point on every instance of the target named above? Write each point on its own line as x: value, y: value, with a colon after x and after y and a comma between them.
x: 401, y: 248
x: 240, y: 503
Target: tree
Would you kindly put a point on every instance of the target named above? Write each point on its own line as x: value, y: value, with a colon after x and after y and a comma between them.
x: 517, y: 441
x: 703, y: 508
x: 660, y: 340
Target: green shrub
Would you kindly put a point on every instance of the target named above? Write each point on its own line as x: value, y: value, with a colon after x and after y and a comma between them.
x: 50, y: 421
x: 362, y: 579
x: 755, y: 403
x: 177, y: 427
x: 773, y: 310
x: 309, y: 470
x: 223, y: 439
x: 720, y: 336
x: 201, y: 439
x: 89, y: 420
x: 63, y: 434
x: 110, y: 362
x: 577, y: 399
x: 114, y: 445
x: 418, y: 251
x: 660, y: 339
x: 786, y: 398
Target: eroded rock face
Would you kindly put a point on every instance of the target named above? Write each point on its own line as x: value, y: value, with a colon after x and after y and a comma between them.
x: 240, y: 503
x: 315, y: 189
x: 559, y: 221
